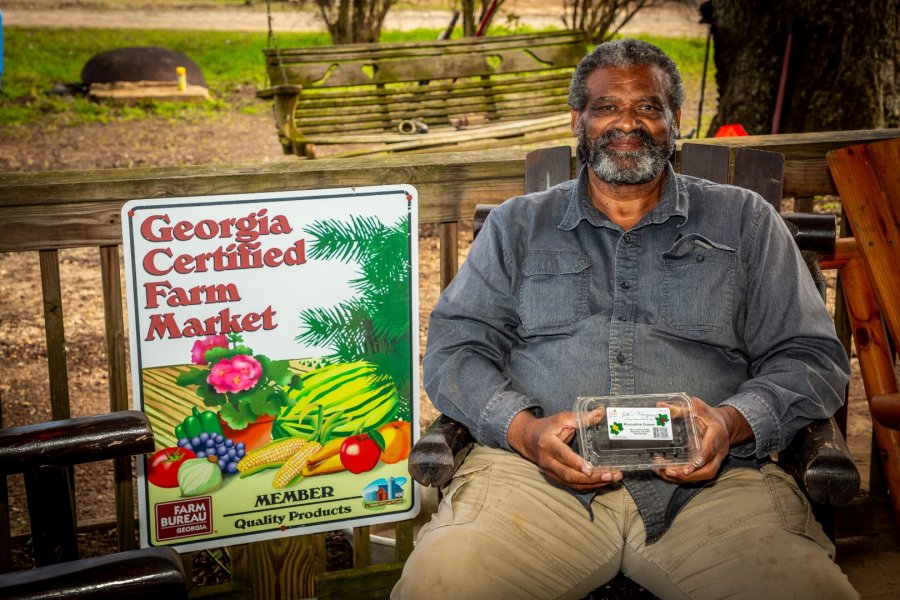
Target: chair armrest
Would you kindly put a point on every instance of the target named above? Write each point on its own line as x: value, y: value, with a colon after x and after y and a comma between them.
x: 149, y: 573
x: 820, y: 461
x: 433, y: 459
x: 818, y: 458
x: 285, y: 99
x: 279, y: 90
x: 74, y: 441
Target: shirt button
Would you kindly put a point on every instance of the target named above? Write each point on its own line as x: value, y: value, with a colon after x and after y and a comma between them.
x: 625, y: 285
x: 626, y: 237
x: 620, y: 358
x: 700, y: 258
x: 623, y: 319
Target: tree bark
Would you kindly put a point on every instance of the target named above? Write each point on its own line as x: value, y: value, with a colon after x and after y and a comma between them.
x: 843, y: 72
x: 471, y: 20
x: 354, y: 21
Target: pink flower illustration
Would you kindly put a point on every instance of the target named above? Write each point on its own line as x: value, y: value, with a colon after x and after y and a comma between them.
x: 235, y: 374
x: 198, y: 351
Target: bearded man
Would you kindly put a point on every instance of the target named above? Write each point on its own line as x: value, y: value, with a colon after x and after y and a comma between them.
x: 630, y: 279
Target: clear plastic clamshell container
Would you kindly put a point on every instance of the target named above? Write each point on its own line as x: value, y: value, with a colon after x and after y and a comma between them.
x: 632, y: 433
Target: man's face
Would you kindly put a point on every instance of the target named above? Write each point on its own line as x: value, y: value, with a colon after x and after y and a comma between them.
x: 627, y: 130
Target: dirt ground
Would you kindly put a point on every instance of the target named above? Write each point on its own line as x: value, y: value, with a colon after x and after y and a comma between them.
x: 232, y: 139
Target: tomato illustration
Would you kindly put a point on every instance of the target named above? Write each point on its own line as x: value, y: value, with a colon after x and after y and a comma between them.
x: 162, y: 468
x: 360, y: 453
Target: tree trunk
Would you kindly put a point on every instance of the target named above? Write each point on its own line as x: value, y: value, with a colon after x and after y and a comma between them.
x: 471, y: 20
x: 354, y: 21
x: 843, y: 72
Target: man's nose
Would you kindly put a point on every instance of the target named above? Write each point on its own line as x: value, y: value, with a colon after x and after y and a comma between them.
x: 627, y: 120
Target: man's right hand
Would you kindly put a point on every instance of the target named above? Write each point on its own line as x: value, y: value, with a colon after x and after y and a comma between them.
x: 544, y: 441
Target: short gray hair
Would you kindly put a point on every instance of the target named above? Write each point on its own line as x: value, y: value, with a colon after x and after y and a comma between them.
x: 619, y: 54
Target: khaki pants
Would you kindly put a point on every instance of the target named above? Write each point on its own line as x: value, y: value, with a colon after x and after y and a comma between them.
x: 501, y: 531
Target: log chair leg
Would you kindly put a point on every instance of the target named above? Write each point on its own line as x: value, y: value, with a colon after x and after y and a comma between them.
x: 873, y: 349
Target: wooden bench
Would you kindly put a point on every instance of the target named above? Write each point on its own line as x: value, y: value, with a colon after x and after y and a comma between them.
x: 462, y: 91
x: 45, y: 453
x: 818, y: 458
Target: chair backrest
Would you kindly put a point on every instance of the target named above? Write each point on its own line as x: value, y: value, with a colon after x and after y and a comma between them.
x: 322, y: 67
x: 758, y: 170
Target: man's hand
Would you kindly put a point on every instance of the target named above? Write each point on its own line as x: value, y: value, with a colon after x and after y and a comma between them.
x: 719, y: 428
x: 544, y: 441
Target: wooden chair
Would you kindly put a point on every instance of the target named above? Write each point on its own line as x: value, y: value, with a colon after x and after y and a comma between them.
x: 818, y: 457
x: 865, y: 175
x: 45, y: 454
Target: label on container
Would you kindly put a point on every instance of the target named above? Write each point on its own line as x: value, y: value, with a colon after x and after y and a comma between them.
x: 645, y: 424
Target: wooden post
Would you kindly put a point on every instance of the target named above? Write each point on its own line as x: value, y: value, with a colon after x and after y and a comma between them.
x: 5, y: 533
x: 118, y: 390
x: 362, y: 547
x: 403, y: 534
x: 285, y: 568
x: 56, y: 337
x: 51, y: 490
x: 449, y: 252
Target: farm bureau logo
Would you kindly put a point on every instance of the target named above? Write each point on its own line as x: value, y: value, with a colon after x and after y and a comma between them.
x: 183, y: 518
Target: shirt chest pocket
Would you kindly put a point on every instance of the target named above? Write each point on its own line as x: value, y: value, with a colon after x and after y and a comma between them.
x: 553, y: 289
x: 698, y: 284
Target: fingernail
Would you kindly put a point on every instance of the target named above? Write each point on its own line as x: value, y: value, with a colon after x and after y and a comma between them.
x: 587, y: 469
x: 606, y: 477
x: 671, y: 472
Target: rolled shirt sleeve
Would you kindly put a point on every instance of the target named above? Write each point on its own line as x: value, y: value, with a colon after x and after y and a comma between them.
x: 470, y: 334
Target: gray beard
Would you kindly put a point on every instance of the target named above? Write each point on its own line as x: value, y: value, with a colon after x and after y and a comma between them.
x: 630, y: 167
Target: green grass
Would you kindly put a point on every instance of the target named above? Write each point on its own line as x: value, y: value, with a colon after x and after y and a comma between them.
x: 37, y: 59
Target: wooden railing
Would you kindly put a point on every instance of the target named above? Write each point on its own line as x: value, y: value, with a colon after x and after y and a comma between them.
x: 47, y: 212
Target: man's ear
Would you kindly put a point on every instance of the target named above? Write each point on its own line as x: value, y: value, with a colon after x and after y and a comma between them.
x: 678, y: 119
x: 575, y: 116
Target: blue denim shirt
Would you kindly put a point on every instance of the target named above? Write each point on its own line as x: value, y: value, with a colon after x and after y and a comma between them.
x: 706, y: 295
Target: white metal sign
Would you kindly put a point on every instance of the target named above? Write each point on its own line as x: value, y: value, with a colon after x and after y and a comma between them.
x: 274, y: 348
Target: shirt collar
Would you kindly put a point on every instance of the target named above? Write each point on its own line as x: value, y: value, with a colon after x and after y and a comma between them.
x: 673, y: 202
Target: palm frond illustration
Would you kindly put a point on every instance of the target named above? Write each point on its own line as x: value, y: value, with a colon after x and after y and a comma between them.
x: 374, y: 325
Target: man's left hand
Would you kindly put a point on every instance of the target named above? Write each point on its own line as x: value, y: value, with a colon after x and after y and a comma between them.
x: 719, y: 428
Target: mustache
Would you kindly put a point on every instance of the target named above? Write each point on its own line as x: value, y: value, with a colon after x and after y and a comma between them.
x: 608, y: 137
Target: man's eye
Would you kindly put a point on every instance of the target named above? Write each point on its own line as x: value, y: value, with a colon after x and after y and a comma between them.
x: 605, y: 108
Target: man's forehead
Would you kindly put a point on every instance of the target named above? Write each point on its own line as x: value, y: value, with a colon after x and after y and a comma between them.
x: 644, y: 81
x: 650, y: 74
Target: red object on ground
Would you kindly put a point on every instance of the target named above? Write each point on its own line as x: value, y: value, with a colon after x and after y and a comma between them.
x: 731, y: 130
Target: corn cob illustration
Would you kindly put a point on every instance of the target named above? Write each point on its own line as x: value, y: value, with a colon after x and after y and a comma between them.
x: 293, y: 467
x: 271, y: 455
